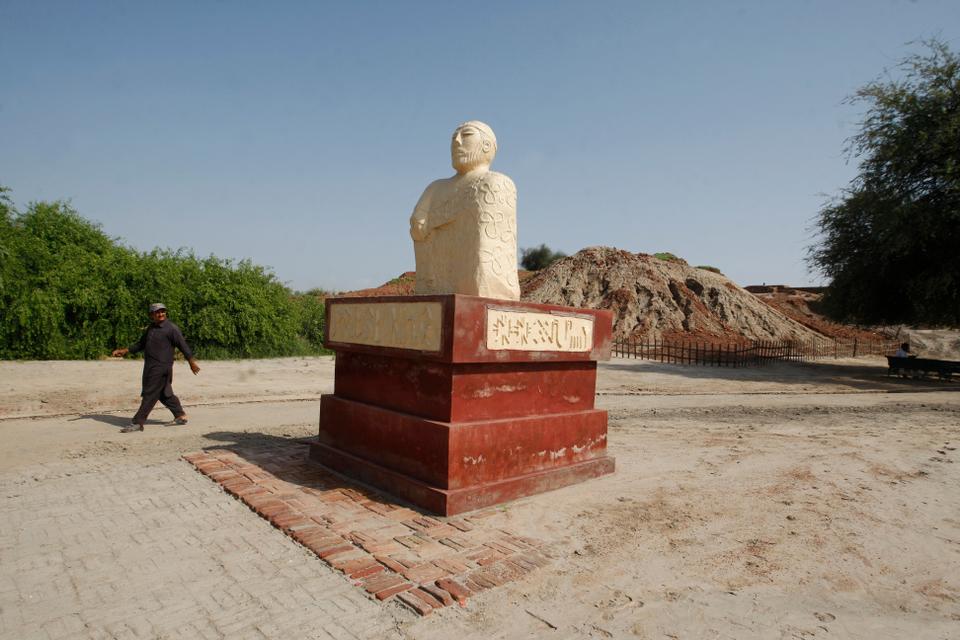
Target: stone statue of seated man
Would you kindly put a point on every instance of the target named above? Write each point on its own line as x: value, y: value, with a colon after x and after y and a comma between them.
x: 464, y: 228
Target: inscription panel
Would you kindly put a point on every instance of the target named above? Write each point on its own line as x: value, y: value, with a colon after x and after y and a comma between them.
x: 401, y: 325
x: 529, y: 331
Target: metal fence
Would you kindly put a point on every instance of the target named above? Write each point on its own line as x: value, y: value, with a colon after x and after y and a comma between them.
x: 748, y: 354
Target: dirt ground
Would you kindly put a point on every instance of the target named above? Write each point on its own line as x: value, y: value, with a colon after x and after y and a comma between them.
x: 793, y: 501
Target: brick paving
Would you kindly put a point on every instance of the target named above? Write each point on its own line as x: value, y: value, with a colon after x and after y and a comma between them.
x: 115, y: 549
x: 387, y: 550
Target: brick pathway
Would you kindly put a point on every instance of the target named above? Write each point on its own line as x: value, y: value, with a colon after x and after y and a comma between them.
x: 389, y: 550
x: 114, y: 549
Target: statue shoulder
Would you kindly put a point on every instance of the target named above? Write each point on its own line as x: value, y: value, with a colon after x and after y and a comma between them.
x: 439, y: 183
x: 496, y: 188
x: 428, y: 194
x: 498, y: 181
x: 436, y: 185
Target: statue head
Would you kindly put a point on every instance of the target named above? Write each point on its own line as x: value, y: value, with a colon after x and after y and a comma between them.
x: 473, y: 146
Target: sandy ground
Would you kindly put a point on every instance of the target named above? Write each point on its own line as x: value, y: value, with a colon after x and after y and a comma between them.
x: 793, y: 501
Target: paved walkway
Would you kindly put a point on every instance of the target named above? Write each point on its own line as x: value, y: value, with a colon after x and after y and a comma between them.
x: 427, y: 562
x: 100, y: 549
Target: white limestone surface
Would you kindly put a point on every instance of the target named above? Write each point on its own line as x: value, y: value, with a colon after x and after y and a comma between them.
x: 464, y: 228
x: 401, y: 325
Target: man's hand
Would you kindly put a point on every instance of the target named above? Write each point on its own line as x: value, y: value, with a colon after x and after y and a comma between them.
x: 194, y: 367
x: 119, y: 353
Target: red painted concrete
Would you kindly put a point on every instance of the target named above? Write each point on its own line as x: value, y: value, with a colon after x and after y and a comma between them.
x: 466, y: 426
x: 449, y: 502
x: 459, y: 392
x: 452, y: 455
x: 485, y: 391
x: 464, y: 331
x: 411, y: 445
x: 408, y: 384
x: 482, y: 452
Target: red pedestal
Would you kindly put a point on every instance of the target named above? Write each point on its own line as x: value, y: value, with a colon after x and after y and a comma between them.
x: 457, y: 402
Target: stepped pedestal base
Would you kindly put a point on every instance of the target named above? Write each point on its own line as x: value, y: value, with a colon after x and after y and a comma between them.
x: 454, y: 403
x: 449, y: 502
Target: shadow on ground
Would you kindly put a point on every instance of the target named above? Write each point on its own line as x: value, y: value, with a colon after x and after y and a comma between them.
x: 114, y: 420
x: 866, y: 377
x: 256, y: 448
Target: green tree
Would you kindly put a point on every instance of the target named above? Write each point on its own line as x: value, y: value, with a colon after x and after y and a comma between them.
x: 7, y: 264
x: 536, y: 258
x: 310, y: 307
x: 69, y: 291
x: 56, y: 282
x: 889, y: 243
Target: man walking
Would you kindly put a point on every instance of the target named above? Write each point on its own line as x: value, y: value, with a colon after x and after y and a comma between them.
x: 157, y: 344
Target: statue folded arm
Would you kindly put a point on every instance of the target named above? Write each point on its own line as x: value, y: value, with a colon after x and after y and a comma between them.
x: 427, y: 216
x: 420, y: 217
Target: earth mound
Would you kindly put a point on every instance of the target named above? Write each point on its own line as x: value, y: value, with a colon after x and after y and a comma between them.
x: 402, y: 285
x: 803, y: 305
x: 661, y: 299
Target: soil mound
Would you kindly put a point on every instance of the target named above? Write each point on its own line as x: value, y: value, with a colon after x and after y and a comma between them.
x: 661, y: 299
x: 803, y: 305
x: 402, y: 285
x: 656, y: 298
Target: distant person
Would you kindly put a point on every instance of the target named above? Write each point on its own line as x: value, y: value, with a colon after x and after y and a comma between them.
x: 157, y: 344
x: 903, y: 351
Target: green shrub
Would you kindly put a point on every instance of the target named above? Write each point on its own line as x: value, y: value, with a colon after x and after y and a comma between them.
x: 536, y: 258
x: 669, y: 257
x: 68, y: 291
x: 311, y: 320
x: 707, y: 267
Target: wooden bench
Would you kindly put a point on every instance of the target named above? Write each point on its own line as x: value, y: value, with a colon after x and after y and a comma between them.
x: 922, y: 366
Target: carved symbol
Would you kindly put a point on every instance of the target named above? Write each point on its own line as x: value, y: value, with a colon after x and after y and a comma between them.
x: 537, y: 331
x: 548, y: 332
x: 499, y: 331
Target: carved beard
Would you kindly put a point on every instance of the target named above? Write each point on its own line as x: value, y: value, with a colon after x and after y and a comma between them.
x: 473, y: 160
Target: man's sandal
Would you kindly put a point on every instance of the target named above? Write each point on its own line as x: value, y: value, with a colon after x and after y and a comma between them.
x: 130, y: 428
x: 181, y: 420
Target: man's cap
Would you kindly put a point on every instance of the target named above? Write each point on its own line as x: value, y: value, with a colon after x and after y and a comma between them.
x: 157, y: 306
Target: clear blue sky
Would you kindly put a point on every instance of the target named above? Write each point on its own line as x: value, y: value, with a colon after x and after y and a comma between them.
x: 300, y: 134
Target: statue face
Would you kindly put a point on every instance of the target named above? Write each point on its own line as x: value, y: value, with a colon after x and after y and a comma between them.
x: 470, y: 148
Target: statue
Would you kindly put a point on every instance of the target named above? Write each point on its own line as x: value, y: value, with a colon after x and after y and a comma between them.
x: 464, y: 228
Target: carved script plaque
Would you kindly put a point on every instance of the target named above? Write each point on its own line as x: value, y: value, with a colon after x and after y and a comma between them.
x: 528, y: 331
x: 401, y: 325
